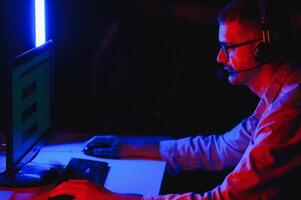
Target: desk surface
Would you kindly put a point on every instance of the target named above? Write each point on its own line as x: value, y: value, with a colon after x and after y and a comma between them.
x: 125, y: 176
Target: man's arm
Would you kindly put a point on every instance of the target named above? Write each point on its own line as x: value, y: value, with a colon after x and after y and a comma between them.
x: 148, y: 151
x: 114, y: 146
x: 213, y: 152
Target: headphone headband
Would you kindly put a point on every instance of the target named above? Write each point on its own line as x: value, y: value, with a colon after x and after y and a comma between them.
x: 264, y: 51
x: 264, y: 22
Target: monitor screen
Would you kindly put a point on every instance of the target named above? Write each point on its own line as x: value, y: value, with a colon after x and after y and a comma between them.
x: 30, y: 104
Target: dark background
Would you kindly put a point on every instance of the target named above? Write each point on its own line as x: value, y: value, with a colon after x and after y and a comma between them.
x: 136, y: 67
x: 139, y: 67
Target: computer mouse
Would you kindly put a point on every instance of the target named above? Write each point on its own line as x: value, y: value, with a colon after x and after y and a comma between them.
x: 62, y: 197
x: 101, y: 145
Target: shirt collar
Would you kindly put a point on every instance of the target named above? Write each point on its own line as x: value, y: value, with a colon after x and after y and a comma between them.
x: 273, y: 90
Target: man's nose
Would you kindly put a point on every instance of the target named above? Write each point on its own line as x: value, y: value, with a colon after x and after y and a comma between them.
x: 221, y: 58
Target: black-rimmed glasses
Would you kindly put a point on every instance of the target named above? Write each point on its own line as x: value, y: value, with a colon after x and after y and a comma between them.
x: 225, y: 47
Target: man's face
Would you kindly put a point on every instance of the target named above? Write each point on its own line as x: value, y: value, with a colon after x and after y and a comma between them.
x: 238, y: 43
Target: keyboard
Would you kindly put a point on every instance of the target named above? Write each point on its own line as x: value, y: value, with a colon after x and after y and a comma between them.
x: 94, y: 171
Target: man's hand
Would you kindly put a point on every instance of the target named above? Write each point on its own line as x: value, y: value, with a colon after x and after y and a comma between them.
x: 105, y: 146
x: 85, y: 190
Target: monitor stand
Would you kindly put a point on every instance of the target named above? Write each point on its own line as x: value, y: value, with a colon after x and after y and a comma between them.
x: 31, y: 175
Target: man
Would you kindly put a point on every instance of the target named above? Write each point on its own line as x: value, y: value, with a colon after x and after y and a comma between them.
x: 265, y: 148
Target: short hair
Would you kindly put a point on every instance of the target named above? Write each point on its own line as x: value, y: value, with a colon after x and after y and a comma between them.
x: 248, y: 12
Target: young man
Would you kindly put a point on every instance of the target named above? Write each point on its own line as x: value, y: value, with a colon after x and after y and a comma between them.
x: 265, y: 148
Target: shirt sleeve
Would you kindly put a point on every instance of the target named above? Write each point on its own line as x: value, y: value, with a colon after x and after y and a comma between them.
x: 212, y: 152
x: 270, y: 162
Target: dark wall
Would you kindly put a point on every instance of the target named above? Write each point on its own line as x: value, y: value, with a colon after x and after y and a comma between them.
x: 154, y: 70
x: 16, y: 36
x: 17, y: 28
x: 133, y: 67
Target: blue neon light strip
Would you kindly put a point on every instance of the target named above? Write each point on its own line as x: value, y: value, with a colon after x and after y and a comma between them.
x: 40, y: 22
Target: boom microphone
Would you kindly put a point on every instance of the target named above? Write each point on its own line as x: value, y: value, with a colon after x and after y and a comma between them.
x: 222, y: 73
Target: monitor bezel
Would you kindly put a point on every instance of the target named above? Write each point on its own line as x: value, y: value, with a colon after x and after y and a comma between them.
x: 11, y: 167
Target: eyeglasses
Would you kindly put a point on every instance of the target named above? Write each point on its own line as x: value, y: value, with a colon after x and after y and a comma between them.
x: 225, y: 48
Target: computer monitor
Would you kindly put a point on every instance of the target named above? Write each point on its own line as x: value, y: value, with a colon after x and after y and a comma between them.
x: 30, y: 93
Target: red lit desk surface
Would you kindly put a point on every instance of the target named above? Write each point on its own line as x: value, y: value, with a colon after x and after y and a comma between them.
x: 125, y: 175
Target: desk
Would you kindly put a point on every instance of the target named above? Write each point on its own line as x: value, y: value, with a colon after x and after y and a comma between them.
x: 125, y: 176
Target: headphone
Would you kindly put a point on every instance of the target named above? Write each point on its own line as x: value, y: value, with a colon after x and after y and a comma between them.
x: 264, y: 52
